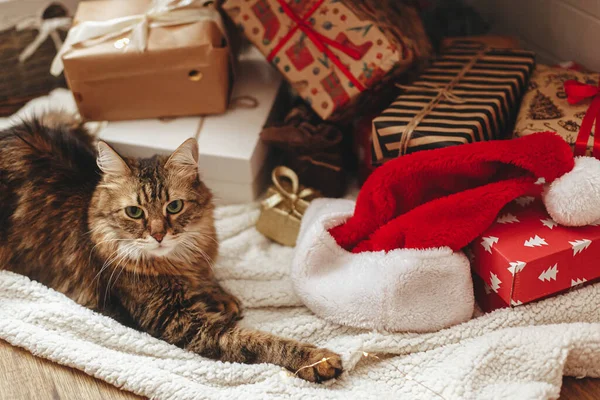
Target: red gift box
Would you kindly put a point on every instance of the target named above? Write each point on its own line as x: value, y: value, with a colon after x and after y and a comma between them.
x: 525, y: 256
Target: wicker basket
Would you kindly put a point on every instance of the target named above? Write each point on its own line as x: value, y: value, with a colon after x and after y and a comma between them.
x: 21, y: 82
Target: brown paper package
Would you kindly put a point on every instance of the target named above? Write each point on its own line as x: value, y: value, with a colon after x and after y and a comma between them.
x: 185, y: 69
x: 545, y: 106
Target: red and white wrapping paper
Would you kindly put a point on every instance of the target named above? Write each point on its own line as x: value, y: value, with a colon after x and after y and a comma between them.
x: 525, y: 256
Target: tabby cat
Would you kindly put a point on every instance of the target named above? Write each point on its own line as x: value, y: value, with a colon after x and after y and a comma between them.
x: 133, y: 239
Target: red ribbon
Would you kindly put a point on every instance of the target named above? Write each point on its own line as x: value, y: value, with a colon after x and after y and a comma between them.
x: 577, y: 92
x: 321, y: 42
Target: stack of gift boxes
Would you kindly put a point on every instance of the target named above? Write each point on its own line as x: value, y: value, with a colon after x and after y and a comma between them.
x: 164, y: 71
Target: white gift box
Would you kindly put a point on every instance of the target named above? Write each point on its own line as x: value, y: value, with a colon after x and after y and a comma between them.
x: 233, y: 160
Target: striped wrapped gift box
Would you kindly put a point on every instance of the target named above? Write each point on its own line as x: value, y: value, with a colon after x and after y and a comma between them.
x: 471, y: 93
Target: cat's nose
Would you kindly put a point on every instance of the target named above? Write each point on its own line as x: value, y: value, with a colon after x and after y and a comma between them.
x: 158, y: 236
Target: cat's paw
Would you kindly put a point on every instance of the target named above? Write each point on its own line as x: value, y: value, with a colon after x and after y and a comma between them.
x: 321, y: 365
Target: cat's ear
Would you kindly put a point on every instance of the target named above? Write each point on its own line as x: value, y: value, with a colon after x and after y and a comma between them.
x: 110, y: 162
x: 184, y: 160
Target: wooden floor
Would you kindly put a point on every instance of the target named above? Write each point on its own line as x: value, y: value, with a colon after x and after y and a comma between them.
x: 25, y: 377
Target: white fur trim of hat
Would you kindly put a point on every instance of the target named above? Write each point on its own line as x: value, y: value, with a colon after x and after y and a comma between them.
x: 401, y: 290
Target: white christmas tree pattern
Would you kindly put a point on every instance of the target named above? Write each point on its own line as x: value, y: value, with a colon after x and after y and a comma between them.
x: 494, y: 282
x: 535, y: 242
x: 507, y: 219
x: 515, y: 303
x: 488, y: 242
x: 487, y: 288
x: 516, y: 266
x: 578, y: 281
x: 549, y: 274
x: 580, y: 245
x: 548, y: 222
x: 525, y: 200
x: 541, y: 181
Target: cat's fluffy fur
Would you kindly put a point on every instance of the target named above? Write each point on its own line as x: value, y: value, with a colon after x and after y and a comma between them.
x: 63, y: 223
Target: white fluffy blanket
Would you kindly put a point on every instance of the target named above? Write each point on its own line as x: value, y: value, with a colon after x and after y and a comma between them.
x: 513, y: 353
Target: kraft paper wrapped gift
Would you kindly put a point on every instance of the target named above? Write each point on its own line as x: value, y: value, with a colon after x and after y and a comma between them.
x: 233, y: 160
x: 545, y: 106
x: 470, y: 93
x: 328, y: 50
x: 141, y: 61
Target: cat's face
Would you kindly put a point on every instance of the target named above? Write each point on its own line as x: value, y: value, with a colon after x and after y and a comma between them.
x: 152, y: 208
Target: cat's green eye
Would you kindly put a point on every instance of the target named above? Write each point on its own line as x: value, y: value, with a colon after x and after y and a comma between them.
x: 134, y: 212
x: 175, y: 206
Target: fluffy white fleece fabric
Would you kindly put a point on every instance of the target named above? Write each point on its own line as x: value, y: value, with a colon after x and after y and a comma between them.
x: 512, y: 353
x: 402, y: 290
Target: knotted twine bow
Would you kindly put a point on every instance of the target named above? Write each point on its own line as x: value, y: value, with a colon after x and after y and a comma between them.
x: 576, y: 93
x: 46, y: 28
x: 163, y: 13
x: 321, y: 42
x: 294, y: 197
x: 444, y: 92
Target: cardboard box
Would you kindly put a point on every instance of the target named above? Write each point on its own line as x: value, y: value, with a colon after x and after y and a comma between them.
x: 526, y: 256
x: 185, y: 69
x: 233, y: 160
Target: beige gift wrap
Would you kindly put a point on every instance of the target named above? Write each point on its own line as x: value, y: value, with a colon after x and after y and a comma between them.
x: 545, y: 106
x: 325, y: 50
x: 140, y: 59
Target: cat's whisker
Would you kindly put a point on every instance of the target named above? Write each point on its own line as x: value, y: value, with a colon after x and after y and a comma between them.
x: 123, y: 254
x: 104, y: 241
x: 109, y: 259
x: 204, y: 235
x: 195, y: 248
x: 97, y: 228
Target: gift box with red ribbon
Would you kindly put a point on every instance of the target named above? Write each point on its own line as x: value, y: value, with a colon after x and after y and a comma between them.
x: 566, y: 101
x: 328, y: 53
x: 525, y: 256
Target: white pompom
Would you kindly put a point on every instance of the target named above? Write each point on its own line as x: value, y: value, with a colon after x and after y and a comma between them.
x: 574, y: 198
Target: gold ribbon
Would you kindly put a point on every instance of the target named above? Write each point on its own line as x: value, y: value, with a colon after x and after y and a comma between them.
x: 320, y: 163
x: 294, y: 196
x: 444, y: 93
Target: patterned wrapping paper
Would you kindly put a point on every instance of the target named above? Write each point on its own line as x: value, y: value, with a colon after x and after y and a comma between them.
x: 471, y: 93
x: 304, y: 47
x: 526, y: 256
x: 545, y: 106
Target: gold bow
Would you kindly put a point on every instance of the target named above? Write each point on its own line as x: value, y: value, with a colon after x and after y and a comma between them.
x: 294, y: 198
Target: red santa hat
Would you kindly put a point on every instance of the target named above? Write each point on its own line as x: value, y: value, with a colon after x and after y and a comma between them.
x: 395, y: 263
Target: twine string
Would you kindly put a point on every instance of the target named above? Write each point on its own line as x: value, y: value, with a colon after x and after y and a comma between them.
x: 444, y: 92
x: 320, y: 163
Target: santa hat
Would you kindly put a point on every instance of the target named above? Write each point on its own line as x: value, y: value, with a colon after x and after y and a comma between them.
x: 395, y: 263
